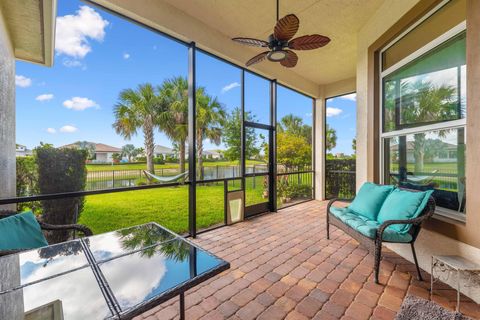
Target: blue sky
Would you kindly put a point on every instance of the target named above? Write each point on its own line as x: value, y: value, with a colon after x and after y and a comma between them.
x: 98, y: 55
x: 341, y: 115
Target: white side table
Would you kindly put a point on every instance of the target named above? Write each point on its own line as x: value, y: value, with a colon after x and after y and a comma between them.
x: 465, y: 270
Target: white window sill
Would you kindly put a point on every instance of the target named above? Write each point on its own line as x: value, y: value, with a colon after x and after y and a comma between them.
x: 449, y: 216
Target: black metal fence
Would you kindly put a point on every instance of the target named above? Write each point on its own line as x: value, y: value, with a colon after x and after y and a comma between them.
x: 340, y: 178
x: 108, y: 179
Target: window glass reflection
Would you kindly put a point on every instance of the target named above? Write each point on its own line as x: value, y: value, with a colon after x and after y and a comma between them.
x: 430, y: 160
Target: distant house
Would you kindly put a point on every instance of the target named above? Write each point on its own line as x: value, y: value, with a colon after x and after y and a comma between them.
x: 446, y: 152
x: 22, y: 151
x: 213, y: 154
x: 102, y: 152
x: 164, y: 151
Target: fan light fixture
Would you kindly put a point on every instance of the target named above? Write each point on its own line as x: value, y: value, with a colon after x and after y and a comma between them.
x: 277, y: 55
x: 281, y: 44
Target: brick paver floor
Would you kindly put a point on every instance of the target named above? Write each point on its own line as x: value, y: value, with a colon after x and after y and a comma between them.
x: 283, y: 267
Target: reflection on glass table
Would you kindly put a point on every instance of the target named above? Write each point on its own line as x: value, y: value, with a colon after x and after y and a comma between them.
x: 76, y: 293
x: 117, y: 275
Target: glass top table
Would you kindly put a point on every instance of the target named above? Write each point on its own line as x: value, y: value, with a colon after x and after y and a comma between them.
x: 116, y: 275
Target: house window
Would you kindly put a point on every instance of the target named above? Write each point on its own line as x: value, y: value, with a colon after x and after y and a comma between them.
x: 423, y: 121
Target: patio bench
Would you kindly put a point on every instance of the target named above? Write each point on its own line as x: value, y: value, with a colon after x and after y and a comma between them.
x: 382, y: 213
x: 23, y: 231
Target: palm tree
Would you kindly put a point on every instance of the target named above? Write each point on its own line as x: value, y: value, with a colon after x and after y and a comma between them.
x: 424, y: 102
x: 330, y: 138
x: 174, y: 121
x: 128, y: 151
x: 294, y: 125
x: 88, y: 147
x: 138, y: 109
x: 210, y: 119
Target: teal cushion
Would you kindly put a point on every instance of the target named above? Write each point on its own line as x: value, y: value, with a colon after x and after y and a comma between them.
x: 367, y: 227
x: 370, y: 230
x: 337, y: 212
x: 369, y: 199
x: 403, y: 204
x: 21, y: 231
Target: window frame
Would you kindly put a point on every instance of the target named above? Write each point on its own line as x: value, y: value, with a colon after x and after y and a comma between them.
x: 440, y: 212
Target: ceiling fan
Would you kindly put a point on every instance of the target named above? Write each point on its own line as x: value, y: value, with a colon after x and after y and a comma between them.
x: 280, y: 42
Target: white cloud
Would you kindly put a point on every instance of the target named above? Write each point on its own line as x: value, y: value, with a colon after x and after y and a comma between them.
x: 332, y: 112
x: 73, y: 32
x: 68, y: 129
x: 126, y: 56
x: 79, y: 103
x: 51, y: 130
x: 351, y: 96
x: 230, y: 86
x: 44, y: 97
x: 23, y: 81
x: 72, y: 63
x: 308, y: 115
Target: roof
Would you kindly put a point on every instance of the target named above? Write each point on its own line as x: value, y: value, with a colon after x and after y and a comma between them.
x: 163, y: 149
x: 31, y: 26
x: 99, y: 147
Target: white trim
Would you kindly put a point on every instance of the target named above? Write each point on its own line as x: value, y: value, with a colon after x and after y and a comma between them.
x: 414, y: 25
x: 441, y: 212
x: 460, y: 123
x: 461, y: 27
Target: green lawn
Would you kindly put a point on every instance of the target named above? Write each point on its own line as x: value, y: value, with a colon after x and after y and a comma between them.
x: 167, y: 206
x: 429, y: 167
x: 143, y: 166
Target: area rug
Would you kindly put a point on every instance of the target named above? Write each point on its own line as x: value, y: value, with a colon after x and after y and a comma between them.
x: 415, y: 308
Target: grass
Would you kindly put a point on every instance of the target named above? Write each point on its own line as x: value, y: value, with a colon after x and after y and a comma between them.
x: 449, y: 167
x: 167, y: 206
x: 143, y: 166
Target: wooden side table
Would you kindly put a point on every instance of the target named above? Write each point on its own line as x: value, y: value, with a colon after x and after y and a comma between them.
x: 464, y: 269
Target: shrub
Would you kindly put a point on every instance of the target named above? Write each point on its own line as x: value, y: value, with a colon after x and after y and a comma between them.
x: 27, y: 181
x: 159, y: 160
x: 61, y: 170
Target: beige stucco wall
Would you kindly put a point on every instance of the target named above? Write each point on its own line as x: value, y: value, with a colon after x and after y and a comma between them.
x: 439, y: 237
x: 340, y: 88
x: 7, y: 113
x: 389, y: 13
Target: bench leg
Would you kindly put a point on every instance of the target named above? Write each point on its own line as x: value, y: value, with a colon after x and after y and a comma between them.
x: 416, y: 262
x: 328, y: 226
x: 378, y: 257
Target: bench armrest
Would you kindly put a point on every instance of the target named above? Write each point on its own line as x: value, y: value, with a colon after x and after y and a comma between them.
x: 332, y: 201
x: 78, y: 227
x: 386, y: 224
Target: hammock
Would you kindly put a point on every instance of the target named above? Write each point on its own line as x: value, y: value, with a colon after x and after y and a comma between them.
x: 421, y: 179
x: 171, y: 179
